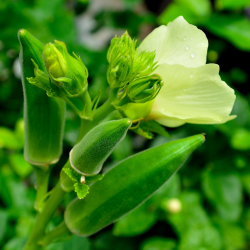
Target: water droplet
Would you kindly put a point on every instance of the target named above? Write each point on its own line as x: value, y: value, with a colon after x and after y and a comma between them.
x: 184, y: 38
x: 191, y: 39
x: 191, y: 75
x: 193, y: 55
x: 177, y: 46
x: 202, y: 43
x: 187, y: 48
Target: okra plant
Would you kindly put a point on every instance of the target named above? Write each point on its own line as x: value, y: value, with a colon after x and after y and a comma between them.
x: 162, y: 82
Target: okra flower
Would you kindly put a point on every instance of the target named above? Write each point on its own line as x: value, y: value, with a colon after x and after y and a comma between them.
x: 193, y: 91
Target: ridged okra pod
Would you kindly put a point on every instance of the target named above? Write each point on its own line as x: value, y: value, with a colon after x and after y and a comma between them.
x: 43, y: 116
x: 127, y: 185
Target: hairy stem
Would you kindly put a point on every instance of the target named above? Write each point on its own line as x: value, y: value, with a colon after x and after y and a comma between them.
x: 43, y: 218
x: 99, y: 115
x: 42, y: 180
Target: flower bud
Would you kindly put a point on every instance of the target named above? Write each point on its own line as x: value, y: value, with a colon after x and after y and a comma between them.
x: 120, y: 57
x: 126, y: 63
x: 66, y: 72
x: 144, y: 89
x: 120, y: 45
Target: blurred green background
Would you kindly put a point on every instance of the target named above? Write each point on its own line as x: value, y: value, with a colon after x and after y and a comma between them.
x: 203, y: 207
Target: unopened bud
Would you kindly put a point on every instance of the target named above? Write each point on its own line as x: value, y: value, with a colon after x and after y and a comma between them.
x: 172, y: 206
x: 126, y: 63
x: 66, y: 72
x: 144, y: 89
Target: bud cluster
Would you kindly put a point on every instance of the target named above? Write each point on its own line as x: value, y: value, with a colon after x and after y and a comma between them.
x: 66, y: 75
x: 131, y: 72
x: 126, y: 63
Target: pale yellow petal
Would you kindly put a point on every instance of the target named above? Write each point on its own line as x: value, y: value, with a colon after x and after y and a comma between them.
x: 193, y: 95
x: 177, y: 43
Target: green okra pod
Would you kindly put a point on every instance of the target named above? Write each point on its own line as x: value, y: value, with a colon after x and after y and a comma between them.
x: 127, y: 185
x: 88, y: 156
x: 43, y: 116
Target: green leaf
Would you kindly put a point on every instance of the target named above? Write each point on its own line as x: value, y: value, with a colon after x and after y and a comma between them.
x: 137, y: 222
x: 231, y: 4
x: 3, y: 224
x: 127, y: 185
x: 75, y: 243
x: 9, y: 140
x: 15, y: 243
x: 20, y: 165
x: 224, y: 191
x: 240, y: 139
x: 81, y: 189
x: 155, y: 127
x: 158, y: 243
x: 233, y: 27
x: 194, y: 11
x: 234, y: 236
x: 200, y: 233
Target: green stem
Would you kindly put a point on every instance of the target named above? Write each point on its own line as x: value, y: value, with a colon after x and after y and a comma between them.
x: 42, y: 180
x: 55, y: 234
x: 72, y: 105
x: 43, y: 218
x: 99, y: 115
x: 84, y: 97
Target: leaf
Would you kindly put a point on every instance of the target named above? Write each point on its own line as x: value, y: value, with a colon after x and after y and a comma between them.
x: 231, y: 4
x: 240, y: 139
x: 3, y: 224
x: 127, y: 185
x: 75, y: 243
x: 137, y: 222
x: 154, y: 126
x: 224, y: 191
x: 194, y: 11
x: 9, y: 140
x: 194, y: 218
x: 158, y: 243
x: 233, y: 27
x: 81, y: 189
x: 15, y: 243
x: 20, y: 165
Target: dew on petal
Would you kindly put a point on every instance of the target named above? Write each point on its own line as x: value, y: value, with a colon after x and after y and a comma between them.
x: 193, y: 55
x: 191, y: 39
x: 187, y: 48
x: 191, y: 75
x: 184, y: 38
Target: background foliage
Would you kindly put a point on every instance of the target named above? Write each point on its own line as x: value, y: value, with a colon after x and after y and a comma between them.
x: 211, y: 191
